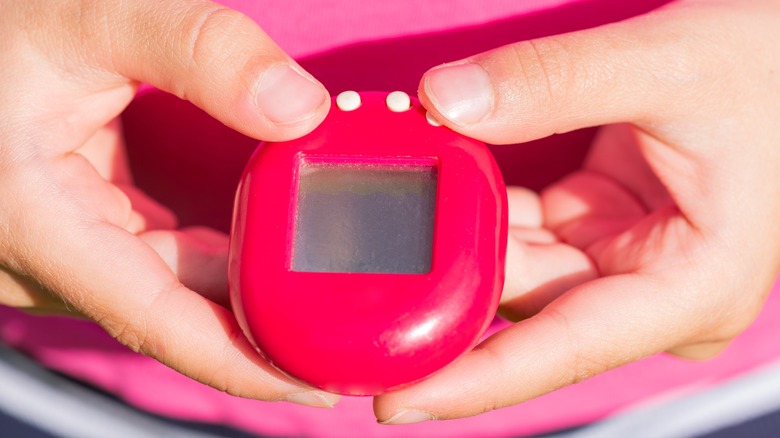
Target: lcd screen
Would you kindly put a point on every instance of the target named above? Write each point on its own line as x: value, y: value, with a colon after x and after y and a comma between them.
x: 364, y: 218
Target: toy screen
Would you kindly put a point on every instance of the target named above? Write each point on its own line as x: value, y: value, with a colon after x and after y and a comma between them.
x: 364, y: 218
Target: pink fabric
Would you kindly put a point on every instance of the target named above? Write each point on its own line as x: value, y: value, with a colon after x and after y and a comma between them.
x: 192, y: 163
x: 77, y: 348
x: 302, y: 29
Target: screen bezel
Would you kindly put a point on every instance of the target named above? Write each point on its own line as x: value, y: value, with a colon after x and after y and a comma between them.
x: 419, y: 164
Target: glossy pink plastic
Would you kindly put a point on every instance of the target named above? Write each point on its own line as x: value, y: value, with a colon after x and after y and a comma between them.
x: 368, y: 333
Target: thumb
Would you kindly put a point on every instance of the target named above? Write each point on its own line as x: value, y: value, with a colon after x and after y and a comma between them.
x: 622, y: 72
x: 213, y: 56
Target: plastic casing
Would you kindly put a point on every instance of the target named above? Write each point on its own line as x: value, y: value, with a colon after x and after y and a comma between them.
x: 367, y: 333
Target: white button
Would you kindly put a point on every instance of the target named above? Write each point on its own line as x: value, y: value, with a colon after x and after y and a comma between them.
x: 432, y: 121
x: 348, y: 100
x: 398, y: 101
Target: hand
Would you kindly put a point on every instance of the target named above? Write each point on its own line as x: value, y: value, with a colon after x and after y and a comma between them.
x: 75, y: 235
x: 665, y: 240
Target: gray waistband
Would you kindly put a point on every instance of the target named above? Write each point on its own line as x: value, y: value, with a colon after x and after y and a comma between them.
x: 62, y: 408
x: 65, y: 409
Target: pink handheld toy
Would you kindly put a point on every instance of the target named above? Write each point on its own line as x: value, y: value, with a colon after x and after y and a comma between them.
x: 370, y: 253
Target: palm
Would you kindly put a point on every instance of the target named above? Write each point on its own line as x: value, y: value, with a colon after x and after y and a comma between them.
x: 614, y: 216
x: 113, y: 254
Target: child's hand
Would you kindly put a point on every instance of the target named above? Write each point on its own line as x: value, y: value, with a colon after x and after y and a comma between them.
x: 666, y: 240
x: 75, y: 235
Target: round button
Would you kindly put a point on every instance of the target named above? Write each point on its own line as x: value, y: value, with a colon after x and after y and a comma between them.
x: 431, y: 120
x: 348, y: 100
x: 398, y: 102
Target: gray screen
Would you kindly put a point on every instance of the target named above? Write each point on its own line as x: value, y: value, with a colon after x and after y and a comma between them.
x: 364, y: 218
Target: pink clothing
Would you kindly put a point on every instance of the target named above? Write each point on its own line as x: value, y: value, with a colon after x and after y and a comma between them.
x: 361, y: 46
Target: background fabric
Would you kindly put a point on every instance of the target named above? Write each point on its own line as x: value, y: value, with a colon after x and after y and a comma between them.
x: 192, y: 163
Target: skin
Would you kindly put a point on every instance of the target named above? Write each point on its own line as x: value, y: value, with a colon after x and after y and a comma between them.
x: 75, y: 236
x: 665, y: 240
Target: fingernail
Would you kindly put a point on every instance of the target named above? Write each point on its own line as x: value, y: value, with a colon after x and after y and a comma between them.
x: 409, y: 416
x: 314, y: 399
x: 285, y: 96
x: 462, y: 93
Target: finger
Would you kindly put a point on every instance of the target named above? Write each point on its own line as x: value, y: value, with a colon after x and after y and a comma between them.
x: 525, y: 207
x: 538, y: 267
x: 677, y: 87
x: 208, y: 236
x: 211, y: 55
x: 105, y: 150
x: 616, y: 153
x: 198, y: 257
x: 525, y: 216
x: 155, y: 314
x: 537, y: 274
x: 700, y: 351
x: 668, y: 305
x: 223, y: 62
x: 24, y: 293
x: 533, y: 235
x: 586, y: 207
x: 596, y: 327
x: 147, y: 213
x: 119, y: 281
x: 622, y: 72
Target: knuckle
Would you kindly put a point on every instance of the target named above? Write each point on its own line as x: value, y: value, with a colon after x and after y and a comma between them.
x: 138, y: 329
x: 206, y: 31
x: 486, y: 406
x: 485, y: 399
x: 219, y: 374
x: 209, y: 37
x: 544, y: 71
x: 230, y: 382
x: 582, y: 365
x: 130, y: 332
